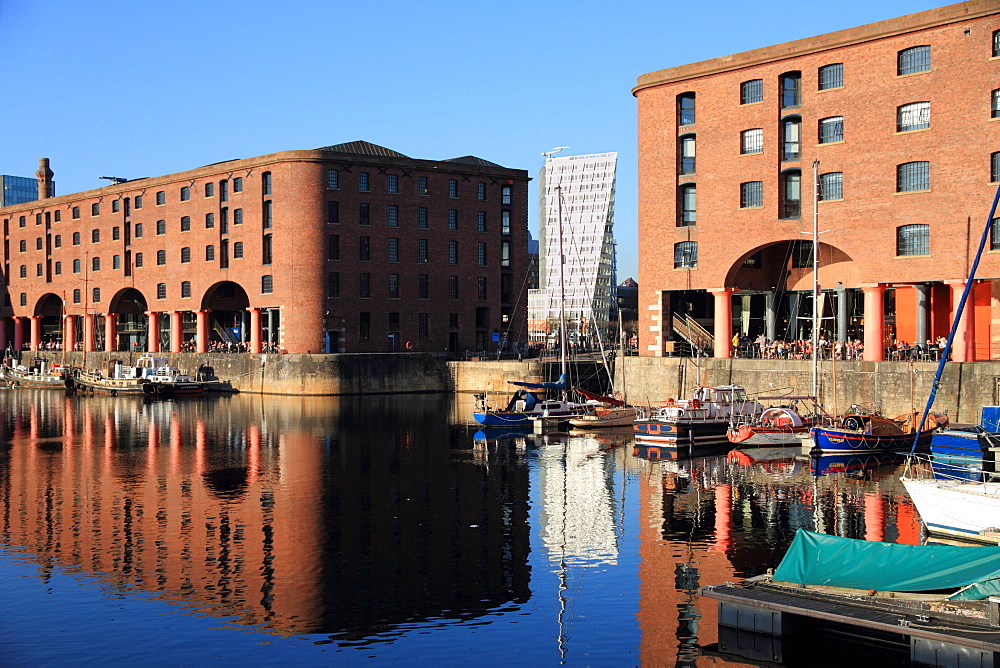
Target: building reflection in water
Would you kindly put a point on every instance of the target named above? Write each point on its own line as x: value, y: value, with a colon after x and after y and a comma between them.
x: 716, y: 519
x: 307, y: 515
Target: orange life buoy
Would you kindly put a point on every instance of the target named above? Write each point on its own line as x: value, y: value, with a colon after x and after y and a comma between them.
x: 409, y: 345
x: 695, y: 403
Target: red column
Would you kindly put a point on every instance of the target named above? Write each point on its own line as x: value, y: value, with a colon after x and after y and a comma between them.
x: 88, y: 334
x: 153, y: 332
x: 36, y: 332
x: 255, y: 332
x: 723, y: 321
x: 963, y: 346
x: 201, y: 329
x: 110, y: 332
x: 18, y: 332
x: 874, y: 322
x: 69, y: 332
x: 176, y: 333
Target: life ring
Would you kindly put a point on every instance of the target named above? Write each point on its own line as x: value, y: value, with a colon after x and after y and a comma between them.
x: 695, y: 403
x: 618, y: 396
x: 409, y: 345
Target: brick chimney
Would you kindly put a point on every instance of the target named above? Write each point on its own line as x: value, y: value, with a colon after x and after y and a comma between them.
x: 46, y: 186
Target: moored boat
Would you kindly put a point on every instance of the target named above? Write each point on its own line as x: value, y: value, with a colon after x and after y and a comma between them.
x: 40, y: 375
x: 864, y: 431
x: 952, y: 504
x: 605, y: 412
x: 526, y: 405
x: 152, y: 376
x: 702, y: 420
x: 777, y: 425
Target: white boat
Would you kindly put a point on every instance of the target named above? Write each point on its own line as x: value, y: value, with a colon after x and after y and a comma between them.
x: 951, y: 504
x: 959, y: 508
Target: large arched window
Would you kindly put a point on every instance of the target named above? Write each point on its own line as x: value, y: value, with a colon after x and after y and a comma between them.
x: 790, y: 196
x: 687, y: 197
x: 685, y: 109
x: 687, y: 154
x: 791, y: 138
x: 791, y: 90
x: 913, y: 240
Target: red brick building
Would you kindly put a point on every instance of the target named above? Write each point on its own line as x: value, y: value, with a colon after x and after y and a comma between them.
x: 896, y: 128
x: 347, y: 248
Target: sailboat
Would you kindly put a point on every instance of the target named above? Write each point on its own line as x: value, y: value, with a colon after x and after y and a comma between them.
x: 607, y: 411
x: 950, y: 504
x: 525, y: 405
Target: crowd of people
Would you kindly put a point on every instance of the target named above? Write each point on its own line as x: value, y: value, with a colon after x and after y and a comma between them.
x: 764, y: 348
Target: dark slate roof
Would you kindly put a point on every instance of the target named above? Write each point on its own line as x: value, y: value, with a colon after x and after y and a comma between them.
x: 363, y: 148
x: 628, y: 283
x: 473, y: 160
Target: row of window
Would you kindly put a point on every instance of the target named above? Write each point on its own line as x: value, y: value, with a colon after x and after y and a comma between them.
x: 423, y: 217
x: 423, y: 325
x: 161, y: 258
x: 912, y: 60
x: 910, y: 240
x: 423, y: 250
x: 423, y: 286
x: 364, y: 181
x: 161, y: 199
x: 910, y: 177
x: 909, y: 117
x: 161, y: 227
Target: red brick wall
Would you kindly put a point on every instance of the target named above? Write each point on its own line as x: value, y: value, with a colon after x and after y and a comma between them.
x: 299, y: 268
x: 862, y: 227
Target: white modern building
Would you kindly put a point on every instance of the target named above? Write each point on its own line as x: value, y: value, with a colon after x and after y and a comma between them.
x: 576, y: 208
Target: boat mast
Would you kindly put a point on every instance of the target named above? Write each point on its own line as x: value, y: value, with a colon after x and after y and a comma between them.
x: 562, y: 290
x: 816, y: 300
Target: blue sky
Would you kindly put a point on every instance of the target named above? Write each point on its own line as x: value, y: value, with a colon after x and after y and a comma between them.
x: 134, y: 89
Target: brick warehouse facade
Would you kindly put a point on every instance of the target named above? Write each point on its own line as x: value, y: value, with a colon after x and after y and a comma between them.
x: 348, y: 248
x: 900, y: 122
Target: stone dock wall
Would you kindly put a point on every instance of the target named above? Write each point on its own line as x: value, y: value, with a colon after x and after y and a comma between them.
x: 891, y: 386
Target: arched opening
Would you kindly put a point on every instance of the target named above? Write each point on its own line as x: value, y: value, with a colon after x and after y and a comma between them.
x: 228, y: 320
x: 50, y: 308
x: 132, y: 327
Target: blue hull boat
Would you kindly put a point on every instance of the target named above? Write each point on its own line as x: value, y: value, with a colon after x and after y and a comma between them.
x: 860, y: 432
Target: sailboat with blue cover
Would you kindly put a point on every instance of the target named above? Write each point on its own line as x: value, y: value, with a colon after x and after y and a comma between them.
x: 527, y: 403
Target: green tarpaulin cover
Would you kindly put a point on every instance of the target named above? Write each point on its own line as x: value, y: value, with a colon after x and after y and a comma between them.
x: 819, y: 559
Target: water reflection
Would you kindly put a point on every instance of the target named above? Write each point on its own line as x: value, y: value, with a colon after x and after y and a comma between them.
x: 307, y: 515
x: 368, y: 522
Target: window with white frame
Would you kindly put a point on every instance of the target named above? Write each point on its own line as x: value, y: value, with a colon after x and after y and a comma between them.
x: 913, y: 116
x: 686, y: 255
x: 831, y: 129
x: 752, y: 141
